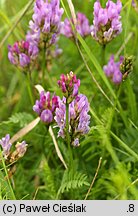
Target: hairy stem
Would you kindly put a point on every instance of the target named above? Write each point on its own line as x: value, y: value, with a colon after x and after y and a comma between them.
x: 68, y: 135
x: 67, y: 124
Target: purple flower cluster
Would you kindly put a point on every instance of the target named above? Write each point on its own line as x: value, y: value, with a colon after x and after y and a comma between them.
x: 78, y: 118
x: 6, y: 145
x: 44, y: 30
x: 52, y: 109
x: 69, y: 85
x: 45, y: 107
x: 112, y: 70
x: 22, y: 53
x: 82, y: 26
x: 106, y: 23
x: 46, y: 22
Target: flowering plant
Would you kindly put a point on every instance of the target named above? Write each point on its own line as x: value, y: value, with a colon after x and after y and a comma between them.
x: 106, y: 23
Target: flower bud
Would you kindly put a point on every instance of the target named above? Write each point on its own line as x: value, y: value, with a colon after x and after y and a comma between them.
x: 126, y: 66
x: 69, y: 85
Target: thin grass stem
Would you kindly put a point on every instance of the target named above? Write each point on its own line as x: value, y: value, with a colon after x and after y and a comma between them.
x: 7, y: 177
x: 29, y: 88
x: 95, y: 176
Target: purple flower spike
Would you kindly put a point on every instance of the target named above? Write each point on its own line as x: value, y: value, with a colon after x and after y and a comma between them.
x: 22, y: 54
x: 106, y: 23
x: 112, y: 70
x: 6, y: 145
x: 79, y: 119
x: 82, y: 26
x: 69, y: 85
x: 46, y: 22
x: 45, y: 107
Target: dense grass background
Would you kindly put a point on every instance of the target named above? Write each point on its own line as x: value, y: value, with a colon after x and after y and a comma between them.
x: 114, y: 115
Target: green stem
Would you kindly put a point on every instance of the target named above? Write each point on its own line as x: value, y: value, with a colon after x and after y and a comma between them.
x: 67, y: 124
x: 48, y: 77
x: 114, y: 108
x: 45, y: 73
x: 68, y: 135
x: 43, y: 143
x: 44, y: 63
x: 29, y: 88
x: 9, y: 183
x: 123, y: 145
x: 103, y: 54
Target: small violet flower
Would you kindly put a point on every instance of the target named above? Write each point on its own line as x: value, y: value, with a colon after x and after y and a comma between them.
x: 82, y: 26
x: 45, y: 106
x: 106, y: 23
x: 19, y: 152
x: 112, y: 70
x: 21, y: 148
x: 79, y: 119
x: 6, y: 145
x: 69, y: 85
x: 135, y: 5
x: 22, y: 54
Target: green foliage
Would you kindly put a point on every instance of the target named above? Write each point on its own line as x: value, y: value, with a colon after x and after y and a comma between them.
x: 48, y: 180
x: 4, y: 188
x: 115, y: 185
x: 71, y: 181
x: 22, y: 119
